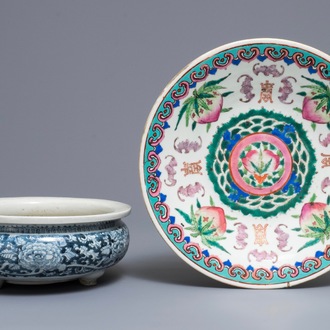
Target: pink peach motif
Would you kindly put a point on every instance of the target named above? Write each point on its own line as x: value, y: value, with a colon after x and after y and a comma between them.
x: 205, y: 104
x: 311, y: 113
x: 261, y: 163
x: 315, y: 224
x: 258, y: 160
x: 310, y: 214
x: 208, y: 224
x: 214, y: 214
x: 316, y: 103
x: 211, y: 114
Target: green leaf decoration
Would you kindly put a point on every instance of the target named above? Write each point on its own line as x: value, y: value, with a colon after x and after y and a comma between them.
x: 205, y: 242
x: 230, y: 218
x: 216, y: 244
x: 212, y: 201
x: 319, y: 96
x: 181, y: 113
x: 192, y: 216
x: 316, y: 229
x: 327, y: 233
x: 203, y: 104
x: 317, y: 82
x: 313, y: 198
x: 327, y: 219
x: 312, y: 235
x: 256, y: 168
x: 196, y: 107
x: 226, y: 94
x: 301, y: 94
x: 210, y: 89
x: 280, y: 171
x: 267, y: 166
x: 309, y: 243
x: 185, y: 216
x: 199, y: 224
x: 207, y: 226
x: 319, y: 221
x: 328, y: 200
x: 328, y: 124
x: 313, y: 126
x: 208, y: 126
x: 195, y: 235
x: 198, y: 204
x: 325, y: 102
x: 193, y: 126
x: 298, y: 109
x: 247, y: 180
x: 216, y: 82
x: 224, y: 110
x: 209, y: 231
x: 188, y: 113
x: 205, y: 95
x: 188, y: 101
x: 315, y: 88
x: 296, y: 229
x: 229, y: 231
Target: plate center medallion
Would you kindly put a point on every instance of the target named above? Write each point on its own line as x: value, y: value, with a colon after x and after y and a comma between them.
x: 261, y: 163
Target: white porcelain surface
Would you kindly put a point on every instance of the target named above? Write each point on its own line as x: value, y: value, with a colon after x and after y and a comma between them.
x: 59, y: 210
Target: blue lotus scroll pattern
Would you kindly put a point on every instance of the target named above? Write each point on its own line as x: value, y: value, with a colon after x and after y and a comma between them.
x: 57, y: 255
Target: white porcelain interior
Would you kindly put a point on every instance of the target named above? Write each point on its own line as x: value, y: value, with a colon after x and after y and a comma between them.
x: 59, y: 210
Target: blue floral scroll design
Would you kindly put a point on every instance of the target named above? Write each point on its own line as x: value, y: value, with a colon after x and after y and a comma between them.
x: 56, y: 255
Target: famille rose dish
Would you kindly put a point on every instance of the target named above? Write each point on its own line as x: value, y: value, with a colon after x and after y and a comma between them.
x: 235, y: 163
x: 50, y: 239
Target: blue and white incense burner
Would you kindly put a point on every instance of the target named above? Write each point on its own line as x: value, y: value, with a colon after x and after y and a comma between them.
x: 50, y: 239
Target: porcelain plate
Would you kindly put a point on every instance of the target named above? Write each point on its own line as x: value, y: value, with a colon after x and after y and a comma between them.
x: 235, y: 163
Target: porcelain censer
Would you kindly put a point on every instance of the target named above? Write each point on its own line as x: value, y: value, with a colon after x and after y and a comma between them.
x: 48, y: 240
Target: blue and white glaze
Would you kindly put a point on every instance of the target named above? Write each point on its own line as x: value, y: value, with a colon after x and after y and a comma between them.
x: 33, y: 253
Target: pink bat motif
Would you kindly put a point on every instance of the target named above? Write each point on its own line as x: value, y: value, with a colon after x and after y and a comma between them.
x: 263, y: 255
x: 268, y: 70
x: 171, y: 171
x: 241, y: 236
x: 282, y: 238
x: 190, y: 191
x: 187, y: 145
x: 286, y: 90
x: 246, y: 88
x: 325, y: 183
x: 326, y: 141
